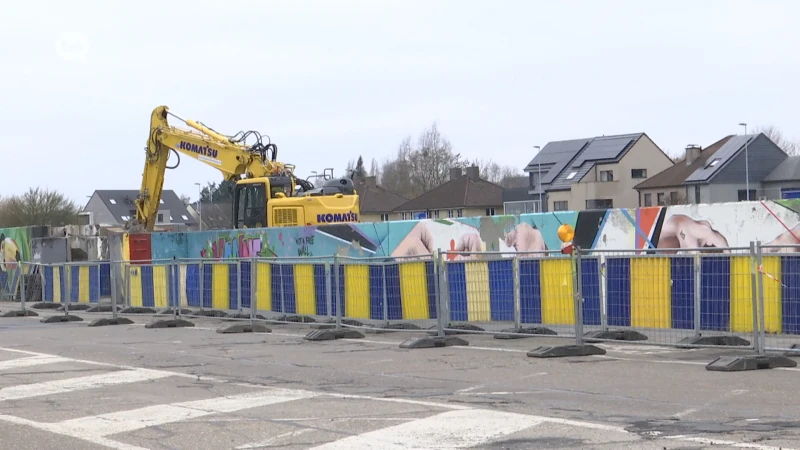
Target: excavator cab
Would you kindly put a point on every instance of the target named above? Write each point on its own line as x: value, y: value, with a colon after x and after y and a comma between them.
x: 250, y: 204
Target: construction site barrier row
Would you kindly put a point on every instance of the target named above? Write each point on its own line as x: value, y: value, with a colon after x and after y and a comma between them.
x: 654, y: 296
x: 75, y: 282
x: 637, y: 291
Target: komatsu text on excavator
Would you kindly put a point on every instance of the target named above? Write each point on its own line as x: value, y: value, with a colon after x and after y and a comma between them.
x: 267, y: 193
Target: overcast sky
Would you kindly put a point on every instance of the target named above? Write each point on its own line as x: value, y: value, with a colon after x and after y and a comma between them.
x: 329, y: 80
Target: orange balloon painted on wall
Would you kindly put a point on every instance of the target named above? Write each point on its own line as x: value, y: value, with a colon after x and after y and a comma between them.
x: 565, y: 232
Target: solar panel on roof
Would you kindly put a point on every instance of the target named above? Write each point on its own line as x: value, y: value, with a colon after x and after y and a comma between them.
x: 603, y: 149
x: 725, y: 153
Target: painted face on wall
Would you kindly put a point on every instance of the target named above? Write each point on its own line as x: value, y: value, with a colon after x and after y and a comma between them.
x: 9, y: 254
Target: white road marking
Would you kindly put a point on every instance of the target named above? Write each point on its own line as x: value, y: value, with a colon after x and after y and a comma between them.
x: 452, y: 429
x: 684, y: 413
x: 135, y: 419
x: 500, y: 393
x: 701, y: 440
x: 273, y: 440
x: 79, y: 384
x: 463, y: 391
x: 48, y: 427
x: 31, y: 361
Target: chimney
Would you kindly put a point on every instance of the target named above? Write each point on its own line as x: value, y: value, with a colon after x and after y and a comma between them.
x: 692, y: 153
x: 455, y: 172
x: 473, y: 173
x: 371, y: 182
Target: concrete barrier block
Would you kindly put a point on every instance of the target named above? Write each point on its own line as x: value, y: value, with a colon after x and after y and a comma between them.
x: 105, y: 321
x: 749, y: 362
x: 169, y: 323
x: 244, y: 328
x: 434, y: 342
x: 525, y: 332
x: 61, y: 319
x: 565, y: 351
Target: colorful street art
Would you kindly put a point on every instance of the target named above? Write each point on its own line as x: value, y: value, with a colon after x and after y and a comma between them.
x: 713, y: 226
x: 15, y: 247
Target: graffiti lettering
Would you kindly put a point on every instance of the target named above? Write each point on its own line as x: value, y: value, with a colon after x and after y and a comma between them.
x: 338, y: 217
x: 304, y: 245
x: 239, y: 246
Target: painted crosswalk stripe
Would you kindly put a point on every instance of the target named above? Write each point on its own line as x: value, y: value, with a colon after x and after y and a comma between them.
x: 126, y: 421
x: 80, y: 383
x: 452, y: 429
x: 30, y: 362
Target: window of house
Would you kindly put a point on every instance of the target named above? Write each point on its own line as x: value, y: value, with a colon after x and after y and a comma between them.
x: 743, y: 195
x: 113, y: 202
x: 489, y: 211
x: 449, y: 213
x: 571, y: 175
x: 603, y: 203
x: 638, y: 173
x: 648, y: 199
x: 534, y: 180
x: 660, y: 198
x: 460, y: 212
x: 160, y: 218
x: 161, y: 201
x: 171, y: 219
x: 183, y: 216
x: 606, y: 175
x: 436, y: 214
x: 560, y: 205
x: 384, y: 217
x: 697, y: 194
x: 126, y: 218
x: 673, y: 198
x: 713, y: 163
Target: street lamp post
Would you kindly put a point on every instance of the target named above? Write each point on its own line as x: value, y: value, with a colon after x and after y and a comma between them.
x: 200, y: 204
x: 539, y: 176
x: 746, y: 162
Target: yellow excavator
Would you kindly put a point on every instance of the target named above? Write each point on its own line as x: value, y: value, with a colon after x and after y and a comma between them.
x: 267, y: 193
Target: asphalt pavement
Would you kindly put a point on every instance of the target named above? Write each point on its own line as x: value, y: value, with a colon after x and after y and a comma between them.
x: 68, y: 386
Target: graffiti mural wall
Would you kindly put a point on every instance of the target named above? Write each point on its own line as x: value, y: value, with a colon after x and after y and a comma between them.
x: 15, y: 247
x: 680, y: 227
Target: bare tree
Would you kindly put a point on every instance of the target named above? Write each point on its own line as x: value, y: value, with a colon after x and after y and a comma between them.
x: 38, y: 207
x: 679, y: 199
x: 506, y: 176
x: 396, y: 172
x: 374, y: 169
x: 790, y: 146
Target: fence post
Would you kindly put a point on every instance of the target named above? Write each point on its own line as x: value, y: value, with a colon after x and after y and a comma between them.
x: 698, y: 273
x: 517, y: 306
x: 437, y: 273
x: 328, y: 288
x: 762, y: 342
x: 385, y: 295
x: 754, y: 279
x: 68, y: 278
x: 113, y: 282
x: 578, y: 284
x: 239, y: 285
x: 126, y: 266
x: 601, y: 262
x: 253, y: 290
x: 283, y: 293
x: 43, y: 282
x: 22, y: 287
x: 338, y: 293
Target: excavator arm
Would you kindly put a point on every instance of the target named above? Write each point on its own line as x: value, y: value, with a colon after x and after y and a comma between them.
x: 227, y: 154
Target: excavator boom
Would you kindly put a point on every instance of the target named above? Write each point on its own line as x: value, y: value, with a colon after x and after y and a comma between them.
x: 237, y: 162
